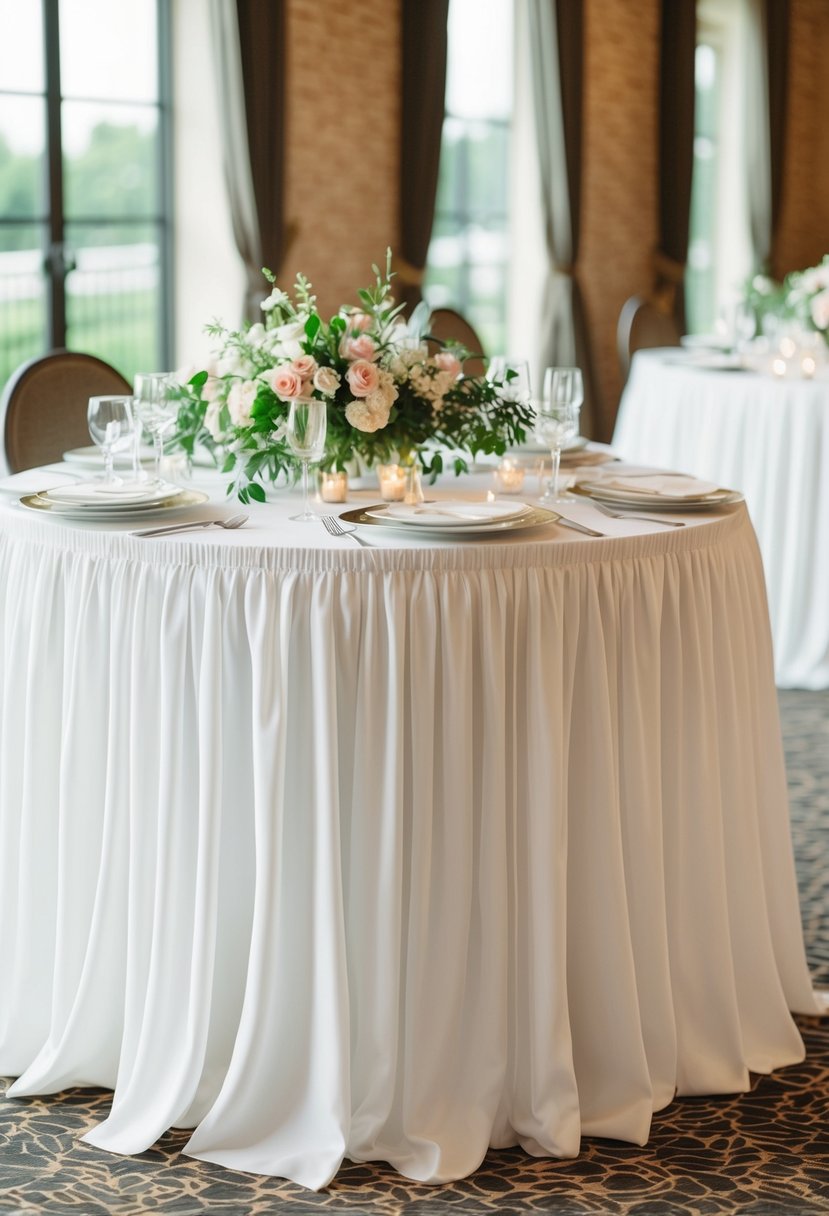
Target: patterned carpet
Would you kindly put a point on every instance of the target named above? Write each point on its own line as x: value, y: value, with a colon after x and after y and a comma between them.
x: 765, y: 1153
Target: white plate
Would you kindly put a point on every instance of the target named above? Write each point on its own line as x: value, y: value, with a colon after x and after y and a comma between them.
x: 92, y: 458
x: 95, y: 495
x: 658, y: 502
x: 168, y: 506
x: 449, y: 513
x: 372, y: 517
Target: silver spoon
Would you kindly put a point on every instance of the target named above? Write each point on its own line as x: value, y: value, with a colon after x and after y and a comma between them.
x: 233, y: 521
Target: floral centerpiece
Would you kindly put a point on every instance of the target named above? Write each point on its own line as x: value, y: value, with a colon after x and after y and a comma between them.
x: 392, y: 391
x: 800, y: 301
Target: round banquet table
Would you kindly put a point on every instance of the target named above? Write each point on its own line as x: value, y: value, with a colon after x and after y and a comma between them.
x: 769, y: 438
x: 390, y: 853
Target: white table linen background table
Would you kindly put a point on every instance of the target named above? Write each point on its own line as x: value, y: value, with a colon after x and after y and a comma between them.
x: 394, y: 853
x: 769, y: 438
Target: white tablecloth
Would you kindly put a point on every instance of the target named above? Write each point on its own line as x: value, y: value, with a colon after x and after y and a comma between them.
x: 395, y: 853
x: 769, y: 438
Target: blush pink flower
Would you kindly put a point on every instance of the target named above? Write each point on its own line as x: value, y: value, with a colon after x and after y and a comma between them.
x: 359, y: 322
x: 285, y: 382
x: 448, y: 362
x: 304, y: 366
x: 361, y: 347
x: 363, y: 377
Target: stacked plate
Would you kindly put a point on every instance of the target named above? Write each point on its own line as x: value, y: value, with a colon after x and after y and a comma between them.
x: 451, y: 517
x: 657, y: 491
x: 98, y: 501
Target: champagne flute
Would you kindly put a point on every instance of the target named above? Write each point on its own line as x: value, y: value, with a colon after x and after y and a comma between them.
x: 557, y: 418
x: 155, y: 408
x: 305, y: 436
x: 111, y: 425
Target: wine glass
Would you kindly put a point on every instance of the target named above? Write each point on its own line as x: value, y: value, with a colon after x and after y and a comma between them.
x: 111, y: 425
x: 155, y: 408
x: 557, y: 417
x: 305, y: 436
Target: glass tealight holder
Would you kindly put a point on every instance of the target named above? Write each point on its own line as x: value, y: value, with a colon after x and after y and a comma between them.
x: 333, y: 485
x: 509, y: 476
x: 392, y: 482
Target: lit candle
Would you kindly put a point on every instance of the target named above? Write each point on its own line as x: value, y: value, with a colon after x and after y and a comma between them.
x: 808, y: 367
x: 392, y: 482
x: 509, y: 476
x: 788, y: 347
x: 333, y: 486
x: 779, y: 367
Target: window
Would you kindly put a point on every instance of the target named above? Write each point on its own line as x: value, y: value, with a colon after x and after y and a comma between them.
x: 720, y: 257
x: 468, y: 256
x: 84, y: 215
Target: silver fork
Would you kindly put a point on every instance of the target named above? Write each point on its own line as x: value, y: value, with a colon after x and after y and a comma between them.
x: 333, y: 525
x: 234, y: 521
x: 647, y: 519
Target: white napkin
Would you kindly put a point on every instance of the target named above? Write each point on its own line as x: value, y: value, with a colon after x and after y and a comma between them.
x: 32, y: 481
x: 664, y: 485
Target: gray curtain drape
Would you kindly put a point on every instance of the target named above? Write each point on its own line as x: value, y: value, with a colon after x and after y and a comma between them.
x: 556, y: 59
x: 676, y: 152
x: 758, y: 136
x: 423, y: 92
x: 249, y: 59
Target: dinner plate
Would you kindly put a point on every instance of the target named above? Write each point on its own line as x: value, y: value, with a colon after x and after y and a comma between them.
x: 97, y: 495
x: 180, y: 501
x: 449, y: 513
x: 373, y: 517
x: 657, y: 502
x: 92, y: 458
x: 576, y: 444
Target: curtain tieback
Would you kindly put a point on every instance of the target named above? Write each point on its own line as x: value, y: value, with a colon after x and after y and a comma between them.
x: 409, y: 275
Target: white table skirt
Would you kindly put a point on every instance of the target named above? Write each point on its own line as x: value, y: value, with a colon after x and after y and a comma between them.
x: 390, y: 854
x: 770, y: 439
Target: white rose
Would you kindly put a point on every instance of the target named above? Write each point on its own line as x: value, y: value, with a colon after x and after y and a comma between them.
x: 240, y: 399
x: 257, y: 334
x: 326, y: 381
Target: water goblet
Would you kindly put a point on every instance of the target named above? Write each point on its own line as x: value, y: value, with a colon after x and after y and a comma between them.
x: 155, y: 409
x: 557, y: 418
x: 305, y: 435
x: 111, y: 425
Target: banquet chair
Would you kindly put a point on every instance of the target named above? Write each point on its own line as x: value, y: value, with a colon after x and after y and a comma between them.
x: 447, y: 325
x: 43, y: 407
x: 643, y: 324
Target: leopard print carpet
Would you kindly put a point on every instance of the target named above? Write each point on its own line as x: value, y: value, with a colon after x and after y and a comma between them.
x: 765, y: 1153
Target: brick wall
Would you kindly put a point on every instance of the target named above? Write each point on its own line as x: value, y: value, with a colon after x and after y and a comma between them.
x: 343, y: 103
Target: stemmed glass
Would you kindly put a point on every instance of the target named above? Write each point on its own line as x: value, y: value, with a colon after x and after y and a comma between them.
x: 155, y: 408
x: 305, y: 436
x: 111, y: 425
x: 557, y: 417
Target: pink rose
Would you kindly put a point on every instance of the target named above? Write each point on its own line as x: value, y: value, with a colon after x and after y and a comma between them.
x: 363, y: 378
x: 285, y: 382
x: 304, y: 366
x: 358, y: 322
x: 447, y: 362
x: 361, y: 347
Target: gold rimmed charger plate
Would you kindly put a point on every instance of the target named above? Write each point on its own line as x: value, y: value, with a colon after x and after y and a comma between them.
x: 655, y: 502
x: 371, y: 517
x: 110, y: 514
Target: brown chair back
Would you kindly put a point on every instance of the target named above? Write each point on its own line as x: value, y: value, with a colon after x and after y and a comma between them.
x: 447, y: 325
x: 43, y: 407
x: 643, y: 324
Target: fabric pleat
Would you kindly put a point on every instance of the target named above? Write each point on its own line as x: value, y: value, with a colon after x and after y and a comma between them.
x: 391, y: 855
